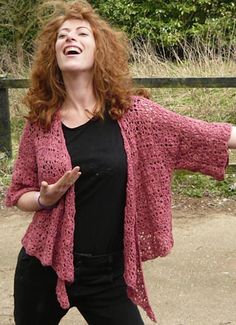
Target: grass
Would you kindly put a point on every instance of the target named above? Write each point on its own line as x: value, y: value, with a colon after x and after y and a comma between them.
x: 211, y: 104
x: 207, y: 104
x: 198, y: 185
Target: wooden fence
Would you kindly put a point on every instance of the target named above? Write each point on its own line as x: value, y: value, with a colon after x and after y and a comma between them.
x: 5, y: 84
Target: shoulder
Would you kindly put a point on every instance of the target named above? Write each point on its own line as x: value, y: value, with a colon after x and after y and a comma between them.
x: 145, y: 113
x: 142, y: 104
x: 146, y: 110
x: 29, y: 129
x: 140, y: 108
x: 34, y: 128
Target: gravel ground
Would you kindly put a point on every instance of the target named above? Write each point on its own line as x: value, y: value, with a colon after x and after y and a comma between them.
x: 194, y: 285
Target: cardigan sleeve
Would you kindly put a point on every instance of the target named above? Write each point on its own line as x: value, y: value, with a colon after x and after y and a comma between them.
x: 203, y: 147
x: 24, y: 176
x: 190, y: 143
x: 200, y: 146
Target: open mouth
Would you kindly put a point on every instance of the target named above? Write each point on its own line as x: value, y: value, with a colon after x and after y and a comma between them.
x: 72, y: 50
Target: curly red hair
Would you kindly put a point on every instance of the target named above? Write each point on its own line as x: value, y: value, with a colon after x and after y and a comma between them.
x: 112, y: 80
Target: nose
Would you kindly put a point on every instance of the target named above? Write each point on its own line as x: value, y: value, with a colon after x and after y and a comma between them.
x: 71, y: 37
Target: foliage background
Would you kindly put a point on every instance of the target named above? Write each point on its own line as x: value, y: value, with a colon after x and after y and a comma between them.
x: 163, y: 23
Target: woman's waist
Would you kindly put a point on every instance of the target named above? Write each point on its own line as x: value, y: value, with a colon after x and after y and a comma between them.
x: 115, y: 257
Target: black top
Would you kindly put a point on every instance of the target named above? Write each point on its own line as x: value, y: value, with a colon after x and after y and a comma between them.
x: 100, y: 192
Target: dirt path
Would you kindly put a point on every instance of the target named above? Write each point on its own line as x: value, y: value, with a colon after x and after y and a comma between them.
x: 194, y: 285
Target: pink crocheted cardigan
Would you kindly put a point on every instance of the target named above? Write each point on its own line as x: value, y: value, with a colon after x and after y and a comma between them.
x: 156, y: 141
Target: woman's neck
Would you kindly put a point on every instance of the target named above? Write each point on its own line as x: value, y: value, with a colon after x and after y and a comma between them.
x: 80, y: 94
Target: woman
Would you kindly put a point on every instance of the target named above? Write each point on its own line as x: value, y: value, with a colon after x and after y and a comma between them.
x: 95, y: 165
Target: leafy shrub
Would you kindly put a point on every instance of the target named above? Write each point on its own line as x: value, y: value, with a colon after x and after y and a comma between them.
x: 164, y: 23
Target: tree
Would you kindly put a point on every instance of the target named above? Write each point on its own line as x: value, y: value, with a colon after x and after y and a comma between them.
x: 18, y: 25
x: 168, y: 22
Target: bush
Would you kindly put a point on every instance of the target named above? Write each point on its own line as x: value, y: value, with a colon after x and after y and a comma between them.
x: 164, y: 23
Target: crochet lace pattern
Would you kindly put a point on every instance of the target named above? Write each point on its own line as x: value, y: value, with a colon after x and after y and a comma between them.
x: 157, y: 141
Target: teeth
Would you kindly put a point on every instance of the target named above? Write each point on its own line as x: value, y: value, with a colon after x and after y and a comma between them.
x: 73, y: 49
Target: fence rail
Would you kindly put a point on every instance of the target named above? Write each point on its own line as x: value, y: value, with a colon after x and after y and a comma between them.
x: 195, y: 82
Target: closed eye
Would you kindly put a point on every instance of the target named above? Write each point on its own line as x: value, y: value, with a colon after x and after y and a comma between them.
x: 61, y: 36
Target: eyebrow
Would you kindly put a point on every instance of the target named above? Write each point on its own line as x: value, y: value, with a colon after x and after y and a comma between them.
x: 68, y: 29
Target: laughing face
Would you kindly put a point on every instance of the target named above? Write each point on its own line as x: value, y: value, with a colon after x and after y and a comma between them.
x: 75, y: 46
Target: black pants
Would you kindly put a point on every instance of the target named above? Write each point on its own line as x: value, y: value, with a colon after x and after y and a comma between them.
x: 99, y: 292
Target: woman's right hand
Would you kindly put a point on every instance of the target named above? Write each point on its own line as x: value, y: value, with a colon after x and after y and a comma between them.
x: 51, y: 194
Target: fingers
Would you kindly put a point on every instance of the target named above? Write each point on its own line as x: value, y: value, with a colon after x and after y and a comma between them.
x: 69, y: 178
x: 73, y: 175
x: 44, y: 187
x: 52, y: 193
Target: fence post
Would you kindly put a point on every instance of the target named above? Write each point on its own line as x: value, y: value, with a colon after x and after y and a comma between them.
x: 5, y: 126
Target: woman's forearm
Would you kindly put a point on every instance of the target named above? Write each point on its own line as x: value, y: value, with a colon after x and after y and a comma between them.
x: 29, y: 202
x: 232, y: 139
